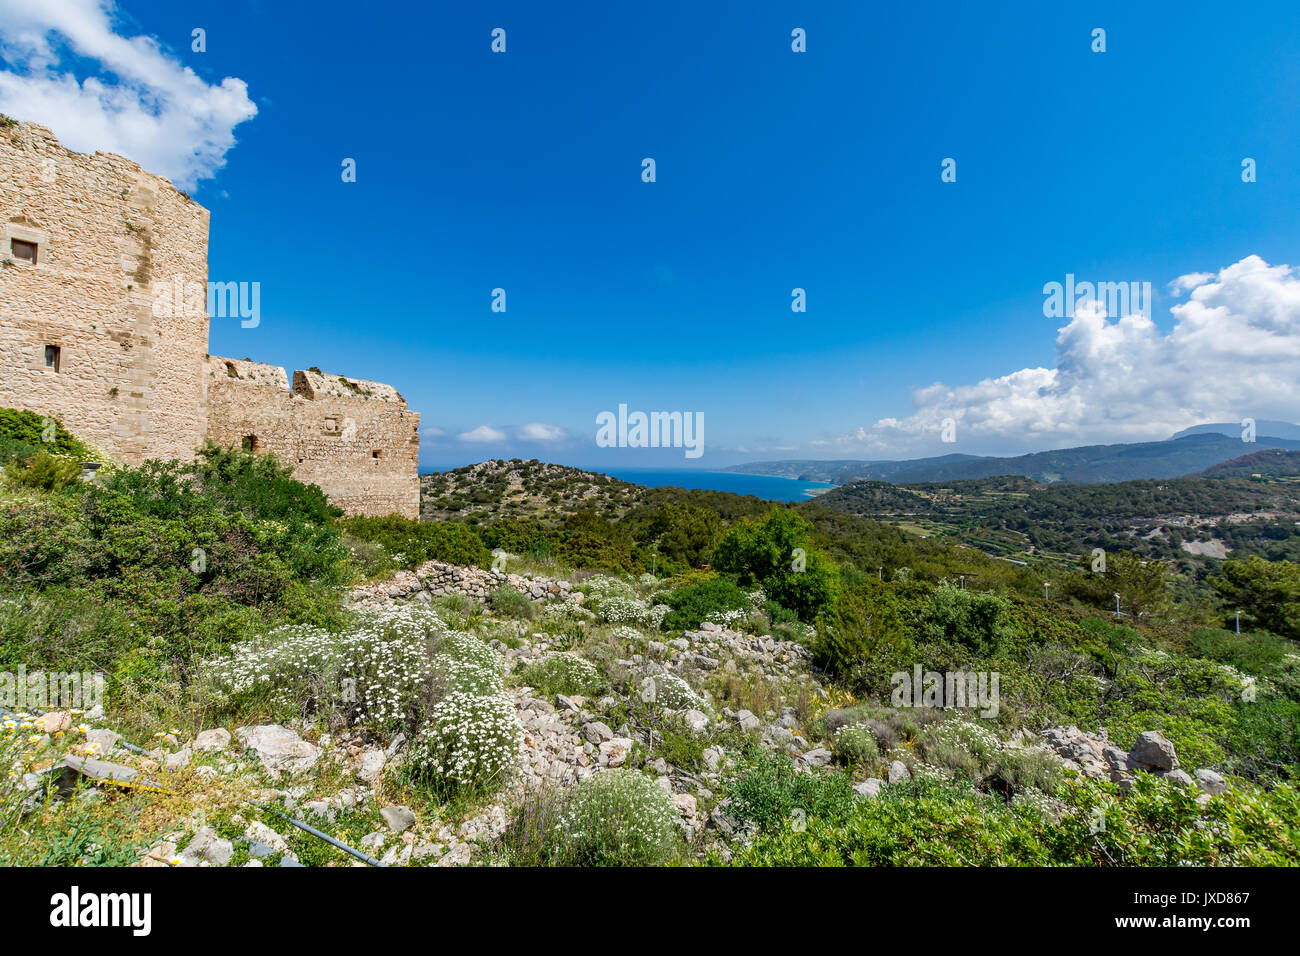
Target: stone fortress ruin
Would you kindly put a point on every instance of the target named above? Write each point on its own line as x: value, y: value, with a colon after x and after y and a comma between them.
x: 90, y: 247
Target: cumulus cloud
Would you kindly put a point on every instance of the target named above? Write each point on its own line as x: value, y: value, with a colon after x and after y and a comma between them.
x: 1233, y: 352
x: 539, y: 432
x: 66, y: 66
x: 483, y: 434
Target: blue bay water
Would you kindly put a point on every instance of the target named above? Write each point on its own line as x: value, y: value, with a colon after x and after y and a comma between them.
x: 761, y: 486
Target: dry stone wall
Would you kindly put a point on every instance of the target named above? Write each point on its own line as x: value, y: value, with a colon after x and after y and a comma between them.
x: 438, y: 579
x: 91, y: 334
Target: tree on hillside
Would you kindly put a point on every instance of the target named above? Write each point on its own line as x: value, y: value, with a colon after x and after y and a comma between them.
x: 776, y: 553
x: 1139, y: 582
x: 1266, y: 592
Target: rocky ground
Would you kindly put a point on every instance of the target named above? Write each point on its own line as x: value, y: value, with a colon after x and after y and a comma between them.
x: 244, y: 782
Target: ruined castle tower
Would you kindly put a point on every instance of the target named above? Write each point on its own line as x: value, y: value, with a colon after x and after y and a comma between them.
x: 89, y: 334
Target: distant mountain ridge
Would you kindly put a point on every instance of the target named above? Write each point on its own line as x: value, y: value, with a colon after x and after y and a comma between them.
x: 1192, y: 453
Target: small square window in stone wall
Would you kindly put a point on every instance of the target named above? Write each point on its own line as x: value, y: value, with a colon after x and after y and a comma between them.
x: 53, y: 356
x: 24, y: 250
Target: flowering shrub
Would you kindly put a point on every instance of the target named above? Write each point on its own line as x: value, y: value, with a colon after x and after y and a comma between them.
x: 469, y: 650
x: 855, y: 743
x: 469, y: 745
x: 673, y: 692
x: 451, y: 675
x: 616, y: 818
x: 562, y: 673
x: 600, y: 589
x: 375, y: 671
x: 724, y: 618
x: 960, y: 744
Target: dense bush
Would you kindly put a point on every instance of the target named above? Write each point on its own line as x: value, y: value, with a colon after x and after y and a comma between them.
x: 776, y: 554
x: 23, y: 433
x: 616, y: 818
x: 563, y: 673
x: 510, y: 602
x: 468, y: 747
x: 375, y: 671
x: 854, y: 744
x: 1159, y: 824
x: 979, y: 622
x: 693, y: 604
x: 44, y: 471
x: 769, y: 789
x: 412, y: 543
x: 1266, y: 592
x: 863, y: 638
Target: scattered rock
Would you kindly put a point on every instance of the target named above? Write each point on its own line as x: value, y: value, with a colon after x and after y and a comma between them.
x: 613, y: 753
x: 369, y: 764
x: 1153, y: 751
x: 869, y: 787
x: 399, y: 819
x: 1211, y: 782
x: 207, y: 847
x: 278, y: 748
x: 898, y: 772
x: 212, y: 741
x: 179, y: 760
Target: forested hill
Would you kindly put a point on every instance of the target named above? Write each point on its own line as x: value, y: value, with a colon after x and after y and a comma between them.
x: 1087, y: 464
x: 1180, y: 518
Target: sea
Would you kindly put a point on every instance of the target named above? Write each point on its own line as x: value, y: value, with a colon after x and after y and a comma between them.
x: 761, y: 486
x: 766, y: 487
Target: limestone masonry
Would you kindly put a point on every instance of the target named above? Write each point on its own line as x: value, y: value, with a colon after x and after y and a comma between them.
x: 91, y: 333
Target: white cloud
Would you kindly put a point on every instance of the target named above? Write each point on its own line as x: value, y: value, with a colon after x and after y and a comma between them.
x: 483, y: 434
x: 134, y: 98
x: 432, y: 431
x: 539, y: 432
x: 1233, y: 352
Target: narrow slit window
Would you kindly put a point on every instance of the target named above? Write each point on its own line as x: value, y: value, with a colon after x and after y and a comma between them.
x: 53, y: 356
x: 250, y: 443
x: 24, y: 250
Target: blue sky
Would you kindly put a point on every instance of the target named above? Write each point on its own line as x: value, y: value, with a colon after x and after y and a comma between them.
x: 775, y: 170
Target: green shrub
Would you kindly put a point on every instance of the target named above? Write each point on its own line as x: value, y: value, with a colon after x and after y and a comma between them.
x: 511, y: 602
x: 1158, y: 824
x: 769, y: 789
x: 978, y: 622
x: 30, y: 430
x: 412, y: 543
x: 862, y: 638
x: 855, y: 744
x: 44, y: 471
x: 693, y: 604
x: 776, y: 553
x: 1267, y: 592
x: 616, y: 818
x: 563, y: 673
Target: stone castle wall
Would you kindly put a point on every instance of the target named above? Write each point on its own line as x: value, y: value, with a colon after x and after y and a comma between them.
x: 358, y: 440
x: 104, y: 229
x: 133, y: 374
